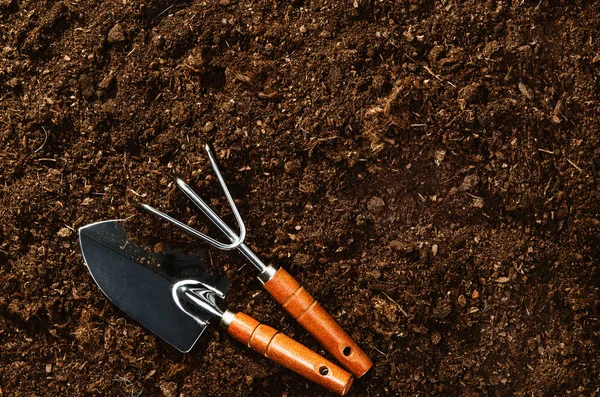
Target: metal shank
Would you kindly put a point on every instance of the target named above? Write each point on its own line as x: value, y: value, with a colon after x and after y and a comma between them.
x: 198, y: 300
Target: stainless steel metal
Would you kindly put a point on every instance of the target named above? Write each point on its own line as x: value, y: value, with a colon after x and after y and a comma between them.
x: 140, y: 282
x: 237, y: 241
x: 198, y: 300
x: 227, y: 319
x: 268, y: 273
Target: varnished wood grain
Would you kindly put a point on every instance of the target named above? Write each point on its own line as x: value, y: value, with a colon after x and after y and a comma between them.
x: 318, y: 322
x: 289, y: 353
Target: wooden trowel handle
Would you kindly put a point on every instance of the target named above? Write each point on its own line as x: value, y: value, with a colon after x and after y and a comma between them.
x: 311, y: 315
x: 285, y: 351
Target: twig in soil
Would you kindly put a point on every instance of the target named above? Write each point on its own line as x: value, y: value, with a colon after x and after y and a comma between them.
x: 45, y: 140
x: 191, y: 19
x: 574, y: 165
x: 314, y: 142
x: 378, y: 350
x: 546, y: 151
x: 431, y: 73
x: 397, y: 304
x: 131, y: 52
x: 124, y: 380
x: 437, y: 76
x: 546, y: 189
x: 163, y: 11
x: 473, y: 196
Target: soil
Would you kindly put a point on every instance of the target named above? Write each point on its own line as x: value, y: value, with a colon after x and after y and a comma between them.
x: 427, y: 170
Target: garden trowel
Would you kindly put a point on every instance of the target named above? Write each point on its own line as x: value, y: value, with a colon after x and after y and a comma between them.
x: 176, y: 298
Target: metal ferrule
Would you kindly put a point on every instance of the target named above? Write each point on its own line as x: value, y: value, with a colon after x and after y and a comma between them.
x: 198, y: 300
x: 226, y: 319
x: 268, y: 273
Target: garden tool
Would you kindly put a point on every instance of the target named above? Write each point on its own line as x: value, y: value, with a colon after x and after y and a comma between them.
x: 277, y: 281
x: 176, y: 298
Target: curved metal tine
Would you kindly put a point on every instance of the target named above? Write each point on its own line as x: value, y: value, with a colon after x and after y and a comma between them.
x: 236, y: 240
x: 191, y: 230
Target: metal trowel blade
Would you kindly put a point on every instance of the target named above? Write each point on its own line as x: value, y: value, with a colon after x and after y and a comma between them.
x: 139, y: 282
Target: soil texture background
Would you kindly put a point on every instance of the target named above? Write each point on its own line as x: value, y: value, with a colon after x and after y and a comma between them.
x: 428, y: 170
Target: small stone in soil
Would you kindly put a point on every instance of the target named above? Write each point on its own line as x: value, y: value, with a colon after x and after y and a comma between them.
x: 158, y: 248
x: 228, y: 106
x: 208, y: 127
x: 106, y: 82
x: 116, y: 34
x: 292, y: 167
x: 64, y: 232
x: 472, y: 93
x: 440, y: 155
x: 526, y: 91
x: 478, y: 203
x: 442, y: 309
x: 168, y: 389
x: 469, y: 182
x: 399, y: 246
x: 375, y: 205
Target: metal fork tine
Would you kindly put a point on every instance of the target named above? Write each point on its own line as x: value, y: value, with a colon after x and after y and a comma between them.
x: 210, y: 214
x: 234, y: 244
x: 236, y: 240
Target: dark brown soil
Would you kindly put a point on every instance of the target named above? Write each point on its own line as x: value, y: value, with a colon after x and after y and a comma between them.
x: 428, y: 170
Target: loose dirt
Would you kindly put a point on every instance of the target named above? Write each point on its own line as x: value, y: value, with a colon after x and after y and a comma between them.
x: 428, y: 170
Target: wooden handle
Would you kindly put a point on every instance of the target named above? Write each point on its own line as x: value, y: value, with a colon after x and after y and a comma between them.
x: 285, y: 351
x: 311, y: 315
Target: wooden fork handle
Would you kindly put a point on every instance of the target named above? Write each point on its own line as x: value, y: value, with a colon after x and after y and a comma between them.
x: 311, y: 315
x: 285, y: 351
